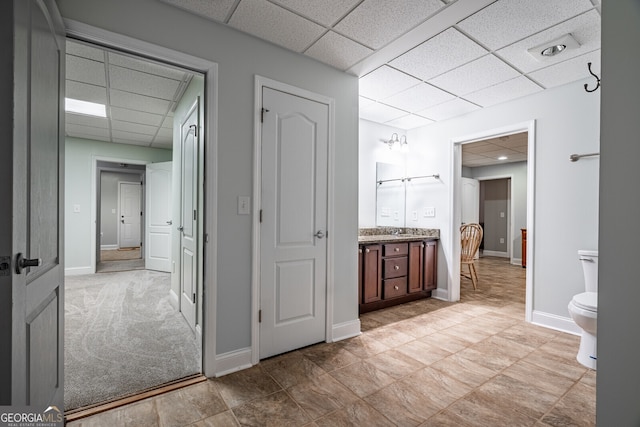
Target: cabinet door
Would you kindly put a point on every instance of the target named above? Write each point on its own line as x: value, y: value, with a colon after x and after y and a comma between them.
x: 416, y: 257
x: 371, y: 273
x: 430, y: 265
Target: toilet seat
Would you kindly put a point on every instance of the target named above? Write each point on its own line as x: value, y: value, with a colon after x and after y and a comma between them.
x: 586, y: 301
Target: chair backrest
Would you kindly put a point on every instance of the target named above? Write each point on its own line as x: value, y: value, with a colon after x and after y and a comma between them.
x: 470, y: 238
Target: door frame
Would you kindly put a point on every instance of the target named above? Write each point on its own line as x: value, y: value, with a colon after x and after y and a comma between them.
x: 259, y: 83
x: 142, y: 209
x: 209, y: 69
x: 510, y: 207
x: 453, y: 286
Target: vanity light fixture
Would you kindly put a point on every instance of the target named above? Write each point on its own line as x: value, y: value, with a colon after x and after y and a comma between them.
x: 85, y: 108
x: 397, y: 143
x: 502, y: 158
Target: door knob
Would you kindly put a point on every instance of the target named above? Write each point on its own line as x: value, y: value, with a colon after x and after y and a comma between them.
x: 22, y: 262
x: 122, y: 221
x: 181, y: 228
x: 319, y: 234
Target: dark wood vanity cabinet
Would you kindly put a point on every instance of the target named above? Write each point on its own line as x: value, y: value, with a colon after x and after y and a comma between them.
x: 391, y: 273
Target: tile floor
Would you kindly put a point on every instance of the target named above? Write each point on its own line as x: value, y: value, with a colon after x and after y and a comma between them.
x: 426, y: 363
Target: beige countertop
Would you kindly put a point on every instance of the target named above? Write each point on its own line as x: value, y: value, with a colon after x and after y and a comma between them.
x: 394, y: 238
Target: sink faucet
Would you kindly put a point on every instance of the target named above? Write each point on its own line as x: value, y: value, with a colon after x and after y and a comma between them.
x: 395, y: 233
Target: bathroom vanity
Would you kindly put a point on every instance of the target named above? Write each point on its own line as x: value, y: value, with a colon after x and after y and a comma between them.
x: 395, y: 268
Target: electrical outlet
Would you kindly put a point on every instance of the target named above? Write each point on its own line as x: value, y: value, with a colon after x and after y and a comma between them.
x: 243, y: 205
x: 76, y: 208
x: 415, y: 215
x: 501, y: 240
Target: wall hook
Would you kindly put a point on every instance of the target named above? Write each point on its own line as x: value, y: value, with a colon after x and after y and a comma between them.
x: 597, y: 82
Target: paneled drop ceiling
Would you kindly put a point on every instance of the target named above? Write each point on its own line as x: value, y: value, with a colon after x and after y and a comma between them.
x: 504, y: 149
x: 139, y: 96
x: 421, y: 61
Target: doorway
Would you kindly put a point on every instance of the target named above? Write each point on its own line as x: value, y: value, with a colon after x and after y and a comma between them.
x: 144, y: 323
x: 522, y: 194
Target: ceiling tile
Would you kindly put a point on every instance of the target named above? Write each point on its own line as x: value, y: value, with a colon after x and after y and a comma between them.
x: 410, y: 121
x: 326, y: 12
x: 476, y: 75
x: 512, y: 89
x: 375, y: 23
x: 449, y: 109
x: 339, y: 51
x: 146, y: 66
x: 80, y: 119
x: 133, y: 127
x: 441, y: 53
x: 130, y: 136
x: 88, y: 136
x: 268, y: 21
x: 585, y: 29
x: 131, y: 142
x: 568, y: 71
x: 216, y: 10
x: 82, y: 50
x: 164, y: 134
x: 125, y: 115
x: 418, y: 98
x: 72, y: 129
x: 85, y: 70
x: 364, y: 102
x: 134, y: 101
x: 381, y: 113
x: 507, y: 21
x: 86, y: 92
x: 142, y: 83
x: 167, y: 123
x: 384, y: 82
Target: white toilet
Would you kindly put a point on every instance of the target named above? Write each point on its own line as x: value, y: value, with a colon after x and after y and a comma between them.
x: 584, y: 309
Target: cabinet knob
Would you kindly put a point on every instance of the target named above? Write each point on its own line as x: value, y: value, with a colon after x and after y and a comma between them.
x: 422, y: 245
x: 396, y: 287
x: 396, y: 249
x: 360, y: 250
x: 368, y: 250
x: 396, y: 267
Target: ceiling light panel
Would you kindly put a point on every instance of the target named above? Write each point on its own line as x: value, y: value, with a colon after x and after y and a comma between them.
x: 512, y: 89
x: 410, y: 121
x: 442, y: 53
x: 568, y: 71
x: 146, y: 66
x: 418, y: 98
x: 385, y: 81
x: 449, y: 109
x: 475, y: 75
x: 216, y: 10
x: 268, y: 21
x: 375, y: 23
x: 381, y: 113
x: 338, y: 51
x: 142, y: 83
x: 135, y: 116
x: 517, y: 19
x: 85, y: 71
x: 585, y: 29
x: 326, y: 12
x: 133, y: 101
x: 86, y: 92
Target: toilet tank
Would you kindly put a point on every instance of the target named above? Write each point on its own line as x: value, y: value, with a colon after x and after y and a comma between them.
x: 589, y: 260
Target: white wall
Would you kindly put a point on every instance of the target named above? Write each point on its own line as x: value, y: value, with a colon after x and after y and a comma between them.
x: 79, y: 156
x: 566, y: 193
x: 518, y: 171
x: 619, y: 292
x: 240, y: 57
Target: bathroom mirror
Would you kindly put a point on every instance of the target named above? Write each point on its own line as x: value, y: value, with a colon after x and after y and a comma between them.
x: 390, y: 195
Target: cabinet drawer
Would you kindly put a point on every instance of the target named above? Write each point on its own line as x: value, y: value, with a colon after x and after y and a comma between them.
x: 395, y: 287
x: 394, y: 267
x: 395, y: 249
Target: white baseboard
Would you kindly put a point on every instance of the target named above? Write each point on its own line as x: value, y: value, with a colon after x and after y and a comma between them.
x: 78, y: 271
x: 516, y: 261
x: 441, y: 294
x: 344, y: 330
x: 233, y: 361
x: 173, y: 299
x: 495, y: 253
x: 109, y: 247
x: 553, y: 321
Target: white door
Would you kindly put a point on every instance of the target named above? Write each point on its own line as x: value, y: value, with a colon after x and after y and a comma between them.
x: 189, y: 132
x: 293, y: 234
x: 470, y: 200
x: 158, y: 217
x: 130, y: 214
x: 32, y: 170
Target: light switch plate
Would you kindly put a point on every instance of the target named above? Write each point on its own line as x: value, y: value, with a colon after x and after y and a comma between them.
x: 243, y: 205
x: 76, y: 208
x: 429, y: 212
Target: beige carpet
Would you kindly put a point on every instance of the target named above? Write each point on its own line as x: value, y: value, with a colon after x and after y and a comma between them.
x: 120, y: 254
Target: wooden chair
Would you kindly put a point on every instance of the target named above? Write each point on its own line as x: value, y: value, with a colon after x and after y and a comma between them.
x: 470, y: 238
